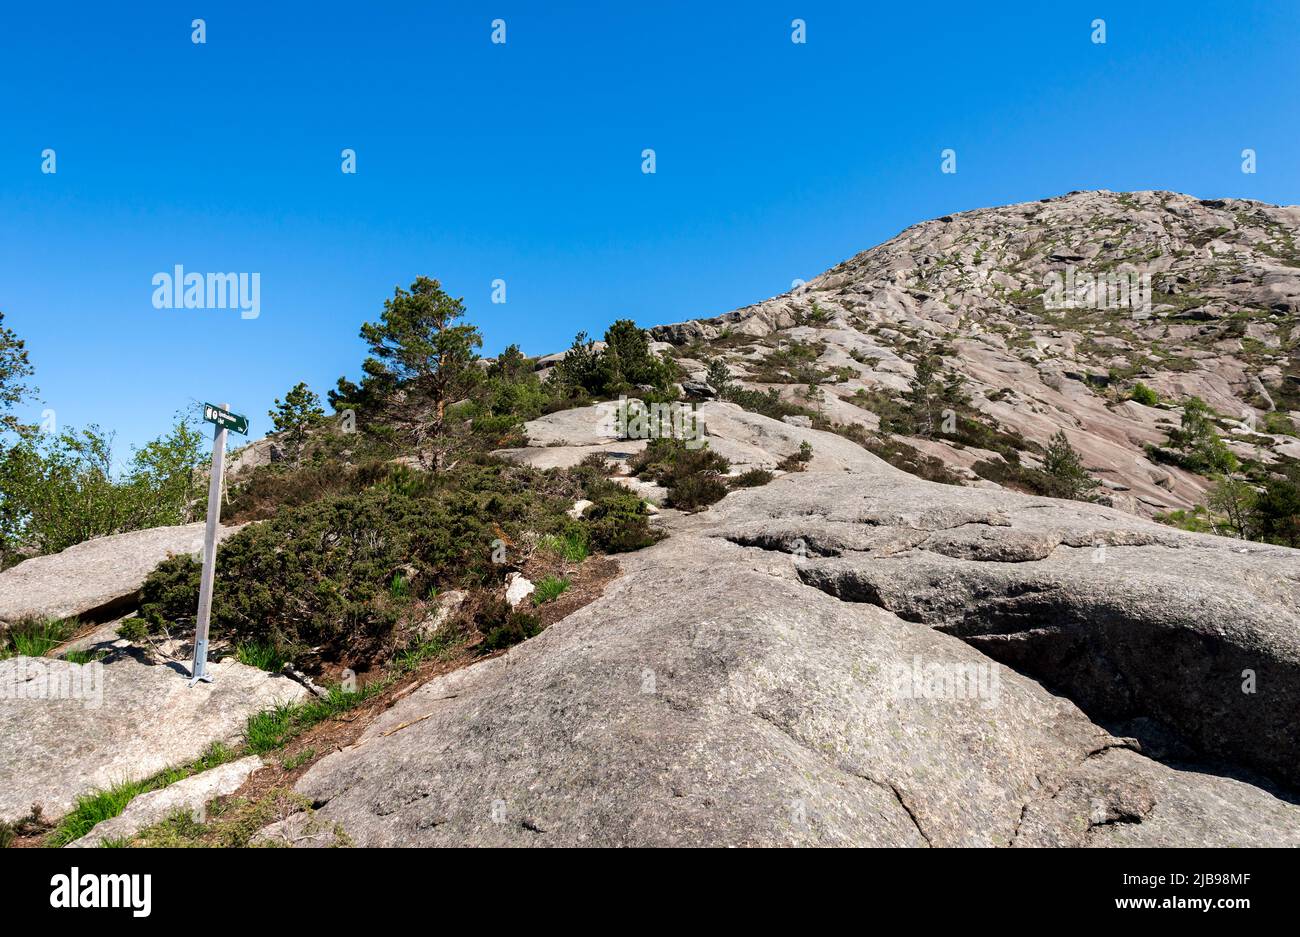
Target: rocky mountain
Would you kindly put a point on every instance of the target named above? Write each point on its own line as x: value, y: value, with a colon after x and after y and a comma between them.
x: 829, y: 649
x: 1050, y: 312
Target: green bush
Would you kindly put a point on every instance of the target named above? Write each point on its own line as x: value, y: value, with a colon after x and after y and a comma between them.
x: 695, y: 492
x: 339, y: 574
x: 502, y: 627
x: 752, y: 479
x: 693, y: 477
x: 1144, y: 395
x: 619, y: 523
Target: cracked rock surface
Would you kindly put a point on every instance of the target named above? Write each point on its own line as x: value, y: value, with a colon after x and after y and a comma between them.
x: 785, y: 669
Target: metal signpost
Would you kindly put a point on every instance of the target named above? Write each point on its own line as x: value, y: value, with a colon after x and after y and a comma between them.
x: 224, y: 421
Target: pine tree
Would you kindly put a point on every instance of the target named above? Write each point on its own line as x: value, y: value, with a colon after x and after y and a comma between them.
x: 295, y: 416
x: 718, y: 377
x: 418, y: 346
x: 1066, y: 476
x: 922, y: 393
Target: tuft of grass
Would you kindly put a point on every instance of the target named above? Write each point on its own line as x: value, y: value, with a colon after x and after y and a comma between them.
x: 84, y: 656
x: 272, y: 728
x: 260, y: 654
x: 97, y: 806
x: 570, y: 546
x: 36, y: 636
x: 399, y: 588
x: 549, y: 589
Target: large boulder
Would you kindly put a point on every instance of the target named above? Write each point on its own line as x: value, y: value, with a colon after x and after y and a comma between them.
x: 68, y: 729
x: 1150, y: 630
x: 97, y: 579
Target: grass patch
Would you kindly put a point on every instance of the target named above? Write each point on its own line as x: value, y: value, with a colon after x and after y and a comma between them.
x: 570, y: 546
x: 260, y: 654
x: 98, y: 806
x: 84, y: 656
x: 36, y: 636
x: 549, y: 589
x: 272, y: 728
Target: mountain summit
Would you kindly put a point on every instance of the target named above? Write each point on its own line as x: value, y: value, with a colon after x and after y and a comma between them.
x: 1098, y: 314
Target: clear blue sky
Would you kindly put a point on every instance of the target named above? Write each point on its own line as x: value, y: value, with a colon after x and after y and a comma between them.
x: 523, y: 161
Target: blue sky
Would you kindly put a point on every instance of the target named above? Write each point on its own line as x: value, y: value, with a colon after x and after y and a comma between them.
x: 522, y: 161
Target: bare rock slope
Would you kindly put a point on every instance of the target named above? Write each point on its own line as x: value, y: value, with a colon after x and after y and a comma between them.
x: 853, y: 656
x: 977, y: 288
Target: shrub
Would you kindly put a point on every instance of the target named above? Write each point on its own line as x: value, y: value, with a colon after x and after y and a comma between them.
x: 619, y: 523
x: 503, y: 627
x: 752, y: 478
x: 696, y: 492
x: 340, y: 574
x: 1011, y: 474
x: 692, y: 476
x: 1144, y: 395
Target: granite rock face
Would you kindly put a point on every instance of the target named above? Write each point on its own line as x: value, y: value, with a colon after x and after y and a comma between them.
x: 67, y: 729
x: 96, y: 579
x: 1217, y: 319
x: 793, y: 667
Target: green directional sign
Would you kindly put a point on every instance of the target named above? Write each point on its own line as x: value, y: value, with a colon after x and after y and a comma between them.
x: 225, y: 419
